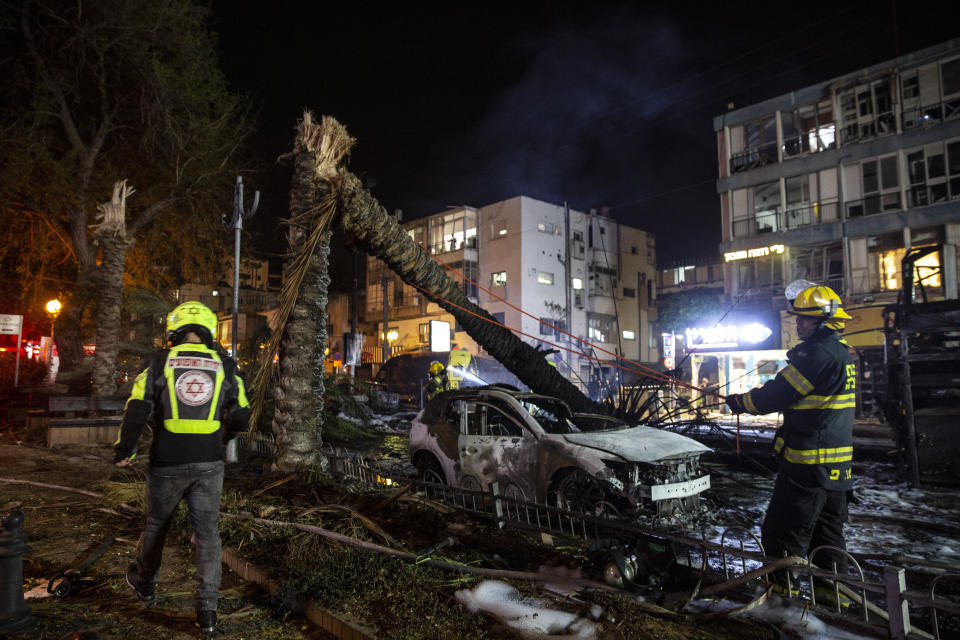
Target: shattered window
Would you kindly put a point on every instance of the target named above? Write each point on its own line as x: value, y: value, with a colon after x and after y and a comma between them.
x: 499, y: 425
x: 552, y: 415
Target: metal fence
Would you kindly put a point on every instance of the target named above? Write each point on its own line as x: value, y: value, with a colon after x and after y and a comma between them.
x: 883, y: 602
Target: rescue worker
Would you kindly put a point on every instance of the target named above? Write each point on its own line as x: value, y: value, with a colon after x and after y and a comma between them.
x: 437, y: 380
x: 197, y: 403
x: 816, y: 392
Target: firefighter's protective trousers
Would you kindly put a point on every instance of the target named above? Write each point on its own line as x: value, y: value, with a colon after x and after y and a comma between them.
x: 816, y: 392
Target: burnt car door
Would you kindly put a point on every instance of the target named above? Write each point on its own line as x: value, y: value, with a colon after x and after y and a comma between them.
x: 496, y: 446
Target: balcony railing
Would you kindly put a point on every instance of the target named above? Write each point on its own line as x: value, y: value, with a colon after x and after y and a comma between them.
x: 883, y: 124
x: 922, y: 195
x: 766, y: 222
x: 754, y: 157
x: 808, y: 215
x: 873, y: 204
x: 836, y: 284
x: 799, y: 143
x: 930, y: 115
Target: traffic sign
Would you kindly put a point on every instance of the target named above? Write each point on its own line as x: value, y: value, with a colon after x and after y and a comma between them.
x: 10, y: 324
x: 668, y: 345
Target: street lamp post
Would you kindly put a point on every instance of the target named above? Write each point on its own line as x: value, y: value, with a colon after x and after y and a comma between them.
x: 53, y: 308
x: 236, y: 223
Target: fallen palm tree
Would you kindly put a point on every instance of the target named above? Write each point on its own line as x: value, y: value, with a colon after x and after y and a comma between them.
x: 324, y: 193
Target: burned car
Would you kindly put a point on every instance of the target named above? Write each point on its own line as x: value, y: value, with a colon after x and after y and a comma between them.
x: 537, y: 450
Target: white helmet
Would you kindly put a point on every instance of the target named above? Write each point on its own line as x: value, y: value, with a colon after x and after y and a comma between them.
x: 794, y: 288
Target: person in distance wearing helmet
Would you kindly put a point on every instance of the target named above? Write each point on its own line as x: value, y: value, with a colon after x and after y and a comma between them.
x: 816, y: 392
x: 198, y: 403
x: 437, y: 380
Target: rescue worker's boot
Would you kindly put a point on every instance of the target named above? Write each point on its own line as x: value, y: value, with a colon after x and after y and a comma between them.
x: 827, y: 595
x: 144, y: 590
x: 207, y: 620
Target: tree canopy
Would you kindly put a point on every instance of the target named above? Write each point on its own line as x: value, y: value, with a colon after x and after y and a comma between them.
x: 97, y: 92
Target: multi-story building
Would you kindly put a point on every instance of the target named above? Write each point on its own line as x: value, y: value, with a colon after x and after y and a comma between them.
x: 837, y: 181
x: 259, y: 294
x: 698, y: 273
x: 581, y: 272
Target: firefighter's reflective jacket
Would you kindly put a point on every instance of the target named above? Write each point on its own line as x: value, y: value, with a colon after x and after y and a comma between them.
x: 197, y: 400
x: 816, y: 392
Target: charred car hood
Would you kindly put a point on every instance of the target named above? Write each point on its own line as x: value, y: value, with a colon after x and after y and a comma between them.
x: 639, y: 444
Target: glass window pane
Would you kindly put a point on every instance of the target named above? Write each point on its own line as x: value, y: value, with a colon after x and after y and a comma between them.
x: 953, y: 155
x: 950, y: 72
x: 888, y: 172
x: 870, y: 181
x: 936, y: 166
x: 916, y: 168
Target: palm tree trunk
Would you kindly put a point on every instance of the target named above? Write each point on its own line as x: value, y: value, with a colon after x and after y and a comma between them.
x: 298, y: 398
x: 109, y: 302
x: 380, y: 236
x: 75, y: 368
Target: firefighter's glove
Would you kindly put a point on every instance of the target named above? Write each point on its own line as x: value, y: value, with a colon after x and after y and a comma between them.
x: 735, y: 402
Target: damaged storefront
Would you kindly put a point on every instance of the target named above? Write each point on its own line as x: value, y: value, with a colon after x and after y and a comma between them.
x: 739, y: 353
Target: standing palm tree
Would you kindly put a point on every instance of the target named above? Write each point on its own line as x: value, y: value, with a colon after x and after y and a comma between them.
x: 301, y: 332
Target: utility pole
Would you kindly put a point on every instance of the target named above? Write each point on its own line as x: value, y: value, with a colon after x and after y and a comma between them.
x: 355, y: 255
x: 385, y: 283
x: 568, y: 275
x: 236, y: 223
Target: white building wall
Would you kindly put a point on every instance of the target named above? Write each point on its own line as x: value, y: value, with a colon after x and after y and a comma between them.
x: 543, y: 293
x: 500, y: 251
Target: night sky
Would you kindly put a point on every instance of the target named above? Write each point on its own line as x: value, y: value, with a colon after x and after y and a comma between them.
x: 609, y: 104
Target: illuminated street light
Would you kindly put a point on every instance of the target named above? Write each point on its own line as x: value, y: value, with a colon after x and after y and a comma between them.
x: 53, y: 308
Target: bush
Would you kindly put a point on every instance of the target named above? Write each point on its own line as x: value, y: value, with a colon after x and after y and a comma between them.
x: 33, y: 373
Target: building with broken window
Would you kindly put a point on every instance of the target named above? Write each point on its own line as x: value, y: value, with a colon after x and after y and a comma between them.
x: 836, y: 182
x: 569, y: 271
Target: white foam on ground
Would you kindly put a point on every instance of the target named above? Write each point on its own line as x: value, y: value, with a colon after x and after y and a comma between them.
x: 801, y: 622
x: 528, y: 617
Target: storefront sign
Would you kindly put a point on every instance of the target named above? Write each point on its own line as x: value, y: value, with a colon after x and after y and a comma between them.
x: 759, y: 252
x: 749, y: 333
x: 668, y: 345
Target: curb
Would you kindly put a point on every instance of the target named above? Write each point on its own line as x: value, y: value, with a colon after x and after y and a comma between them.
x: 338, y: 624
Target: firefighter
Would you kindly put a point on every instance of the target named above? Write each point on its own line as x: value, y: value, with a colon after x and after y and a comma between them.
x: 198, y: 403
x: 437, y: 380
x: 816, y: 392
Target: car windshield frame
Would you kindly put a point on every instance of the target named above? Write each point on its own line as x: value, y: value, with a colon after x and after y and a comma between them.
x: 551, y: 414
x: 610, y: 423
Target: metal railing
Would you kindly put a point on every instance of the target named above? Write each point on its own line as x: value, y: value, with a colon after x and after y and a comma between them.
x: 883, y: 124
x: 799, y: 143
x: 764, y: 222
x: 871, y: 205
x: 808, y: 215
x: 923, y: 195
x: 882, y: 604
x: 754, y: 157
x: 921, y: 117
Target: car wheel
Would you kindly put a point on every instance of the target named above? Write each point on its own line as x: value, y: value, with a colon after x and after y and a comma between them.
x: 514, y: 496
x: 474, y: 501
x: 429, y: 470
x: 578, y: 491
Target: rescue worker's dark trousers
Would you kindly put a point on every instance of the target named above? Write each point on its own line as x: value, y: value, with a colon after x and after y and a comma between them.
x: 200, y: 483
x: 801, y: 518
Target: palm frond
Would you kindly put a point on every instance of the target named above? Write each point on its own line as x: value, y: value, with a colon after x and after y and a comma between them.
x: 329, y: 144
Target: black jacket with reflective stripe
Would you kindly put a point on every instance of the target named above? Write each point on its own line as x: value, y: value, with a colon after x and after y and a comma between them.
x: 196, y: 399
x: 816, y: 392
